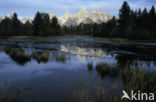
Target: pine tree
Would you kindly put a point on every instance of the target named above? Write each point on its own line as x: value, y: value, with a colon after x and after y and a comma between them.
x: 46, y: 24
x: 124, y: 20
x: 15, y: 25
x: 27, y: 27
x: 152, y: 21
x: 55, y: 27
x: 37, y: 22
x: 6, y: 26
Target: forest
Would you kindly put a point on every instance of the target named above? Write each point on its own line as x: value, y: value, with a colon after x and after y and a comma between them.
x: 130, y: 24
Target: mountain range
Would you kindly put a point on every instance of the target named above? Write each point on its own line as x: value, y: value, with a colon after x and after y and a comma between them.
x: 83, y: 16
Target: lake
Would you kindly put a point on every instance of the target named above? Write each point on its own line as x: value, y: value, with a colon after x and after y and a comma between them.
x: 74, y: 69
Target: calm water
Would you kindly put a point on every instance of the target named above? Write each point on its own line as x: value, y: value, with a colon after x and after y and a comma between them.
x: 53, y: 70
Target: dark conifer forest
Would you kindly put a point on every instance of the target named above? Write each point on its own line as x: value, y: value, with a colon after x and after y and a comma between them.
x: 130, y: 24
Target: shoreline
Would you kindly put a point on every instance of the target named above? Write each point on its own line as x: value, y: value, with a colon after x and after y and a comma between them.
x: 115, y: 40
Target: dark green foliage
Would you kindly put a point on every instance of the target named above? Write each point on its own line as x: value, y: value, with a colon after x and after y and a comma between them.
x: 55, y: 27
x: 37, y: 24
x: 5, y: 27
x: 15, y: 25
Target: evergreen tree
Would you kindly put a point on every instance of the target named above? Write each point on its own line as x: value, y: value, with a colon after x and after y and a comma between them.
x: 124, y: 20
x: 15, y: 25
x: 6, y: 27
x: 152, y: 21
x: 55, y: 27
x: 26, y: 28
x: 37, y: 23
x: 46, y: 24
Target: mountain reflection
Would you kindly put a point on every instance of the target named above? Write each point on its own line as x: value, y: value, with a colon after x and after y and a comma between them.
x: 83, y: 52
x: 21, y: 56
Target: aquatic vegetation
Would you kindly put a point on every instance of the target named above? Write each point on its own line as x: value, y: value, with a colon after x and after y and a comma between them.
x: 139, y: 79
x: 90, y: 66
x: 18, y: 55
x: 8, y: 95
x: 60, y: 57
x: 100, y: 94
x: 104, y: 69
x: 41, y: 56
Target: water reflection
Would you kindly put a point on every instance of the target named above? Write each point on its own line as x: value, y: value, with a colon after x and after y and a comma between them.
x: 135, y: 61
x: 20, y: 56
x: 82, y: 53
x: 43, y: 67
x: 59, y: 57
x: 41, y: 56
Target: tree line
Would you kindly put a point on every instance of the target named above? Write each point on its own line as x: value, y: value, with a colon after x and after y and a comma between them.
x: 41, y: 25
x: 131, y: 24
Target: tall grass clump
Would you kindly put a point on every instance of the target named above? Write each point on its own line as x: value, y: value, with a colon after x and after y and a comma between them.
x: 104, y: 69
x: 90, y: 65
x: 18, y: 55
x: 139, y: 79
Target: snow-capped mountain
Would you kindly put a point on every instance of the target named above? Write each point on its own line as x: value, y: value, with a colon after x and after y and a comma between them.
x: 25, y: 19
x: 2, y: 17
x: 51, y: 15
x: 83, y: 16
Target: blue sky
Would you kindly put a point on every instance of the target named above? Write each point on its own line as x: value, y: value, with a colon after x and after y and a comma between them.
x: 59, y: 7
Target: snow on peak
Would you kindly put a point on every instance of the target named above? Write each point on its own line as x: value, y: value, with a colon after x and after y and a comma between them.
x: 51, y: 15
x: 8, y: 15
x: 83, y: 16
x: 25, y: 19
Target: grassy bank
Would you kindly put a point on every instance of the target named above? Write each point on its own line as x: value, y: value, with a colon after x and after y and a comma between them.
x: 43, y: 37
x: 115, y: 40
x: 121, y: 40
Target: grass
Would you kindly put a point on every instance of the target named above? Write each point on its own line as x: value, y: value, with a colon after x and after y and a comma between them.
x: 18, y: 55
x: 41, y: 56
x: 139, y: 79
x: 122, y: 40
x: 44, y: 37
x: 61, y: 58
x: 115, y: 40
x: 104, y: 69
x: 90, y: 65
x: 133, y: 79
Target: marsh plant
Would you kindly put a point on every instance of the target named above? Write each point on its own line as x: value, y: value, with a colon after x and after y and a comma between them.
x: 90, y: 66
x: 104, y: 69
x: 139, y: 79
x: 18, y: 55
x: 41, y: 56
x: 11, y: 95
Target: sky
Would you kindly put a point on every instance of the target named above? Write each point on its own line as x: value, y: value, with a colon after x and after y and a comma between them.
x: 29, y: 7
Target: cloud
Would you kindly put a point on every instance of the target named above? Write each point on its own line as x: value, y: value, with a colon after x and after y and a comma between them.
x: 30, y: 7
